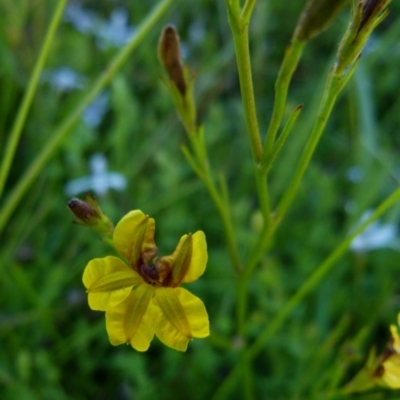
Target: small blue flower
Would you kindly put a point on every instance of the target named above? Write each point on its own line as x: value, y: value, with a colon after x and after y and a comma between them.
x: 100, y: 181
x: 375, y: 236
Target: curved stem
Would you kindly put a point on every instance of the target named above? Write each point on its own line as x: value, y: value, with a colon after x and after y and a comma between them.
x: 311, y: 283
x: 221, y: 201
x: 61, y: 133
x: 332, y: 90
x: 241, y: 40
x: 28, y: 97
x: 282, y: 137
x: 289, y: 65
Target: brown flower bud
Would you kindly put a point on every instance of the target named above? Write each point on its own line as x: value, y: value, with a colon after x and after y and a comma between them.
x: 169, y: 52
x: 370, y: 9
x: 89, y: 214
x: 82, y: 210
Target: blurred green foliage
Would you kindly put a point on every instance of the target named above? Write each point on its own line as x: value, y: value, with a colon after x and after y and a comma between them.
x: 54, y: 347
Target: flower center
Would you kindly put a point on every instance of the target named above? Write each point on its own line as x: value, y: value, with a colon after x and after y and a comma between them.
x: 150, y: 274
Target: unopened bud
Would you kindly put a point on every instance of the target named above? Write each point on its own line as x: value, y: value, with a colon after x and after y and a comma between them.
x: 370, y: 9
x: 89, y: 214
x: 316, y: 17
x: 169, y: 52
x: 181, y: 81
x: 366, y: 15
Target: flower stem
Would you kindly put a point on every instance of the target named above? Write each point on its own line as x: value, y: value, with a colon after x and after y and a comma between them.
x: 239, y: 22
x: 289, y: 64
x: 312, y: 282
x: 61, y: 133
x: 335, y: 84
x: 200, y: 165
x: 28, y: 97
x: 283, y: 136
x: 240, y: 32
x: 223, y: 208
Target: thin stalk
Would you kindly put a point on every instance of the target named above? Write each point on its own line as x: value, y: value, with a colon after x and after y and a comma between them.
x: 61, y: 133
x: 223, y: 187
x: 243, y: 284
x: 221, y: 200
x: 248, y: 10
x: 239, y: 25
x: 241, y: 41
x: 332, y: 90
x: 28, y: 97
x: 225, y: 214
x: 192, y: 162
x: 248, y: 381
x: 263, y: 196
x: 312, y: 282
x: 283, y: 136
x: 233, y: 6
x: 289, y: 65
x: 223, y: 208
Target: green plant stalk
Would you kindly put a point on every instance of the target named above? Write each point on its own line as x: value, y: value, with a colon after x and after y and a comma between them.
x: 283, y: 136
x: 248, y: 381
x: 240, y: 33
x: 289, y: 64
x: 332, y: 90
x: 61, y: 133
x: 243, y: 283
x: 233, y: 6
x: 247, y: 10
x: 201, y: 168
x: 263, y: 195
x: 312, y: 282
x: 225, y: 215
x: 239, y: 23
x: 269, y: 226
x: 28, y: 97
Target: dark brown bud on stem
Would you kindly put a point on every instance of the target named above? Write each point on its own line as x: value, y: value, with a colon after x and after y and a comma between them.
x: 82, y: 210
x: 89, y: 214
x: 169, y: 52
x: 370, y: 9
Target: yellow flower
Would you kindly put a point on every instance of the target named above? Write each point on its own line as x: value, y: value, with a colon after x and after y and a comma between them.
x: 395, y: 336
x: 142, y: 297
x: 389, y: 369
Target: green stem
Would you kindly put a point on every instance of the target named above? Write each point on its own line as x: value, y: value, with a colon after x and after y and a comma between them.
x: 248, y: 9
x: 223, y: 208
x: 61, y: 133
x: 201, y: 167
x: 312, y: 282
x: 332, y: 90
x: 283, y: 136
x: 241, y: 39
x: 289, y: 65
x: 248, y: 382
x: 243, y: 284
x: 28, y: 97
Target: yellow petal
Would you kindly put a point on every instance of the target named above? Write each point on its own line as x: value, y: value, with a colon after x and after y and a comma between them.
x: 128, y: 322
x: 391, y: 374
x: 199, y: 257
x: 108, y: 282
x: 181, y: 315
x: 134, y: 235
x: 188, y: 261
x: 178, y: 262
x: 395, y: 338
